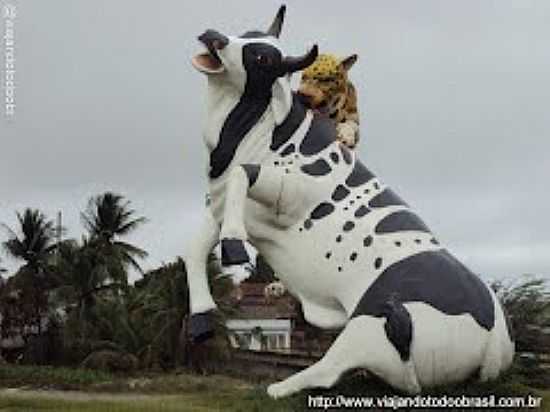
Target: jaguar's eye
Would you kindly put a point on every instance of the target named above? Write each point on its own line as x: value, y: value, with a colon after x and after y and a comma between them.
x: 263, y: 60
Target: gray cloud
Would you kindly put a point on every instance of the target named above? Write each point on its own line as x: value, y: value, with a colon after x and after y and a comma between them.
x: 453, y: 99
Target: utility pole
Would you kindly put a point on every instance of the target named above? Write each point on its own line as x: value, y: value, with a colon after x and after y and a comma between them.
x: 59, y: 227
x: 58, y: 234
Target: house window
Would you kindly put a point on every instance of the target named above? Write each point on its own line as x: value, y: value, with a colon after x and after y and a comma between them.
x: 282, y: 341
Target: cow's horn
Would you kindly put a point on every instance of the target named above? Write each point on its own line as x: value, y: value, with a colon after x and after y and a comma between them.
x: 277, y: 25
x: 294, y: 64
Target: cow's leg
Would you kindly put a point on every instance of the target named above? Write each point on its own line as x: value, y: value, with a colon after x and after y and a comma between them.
x: 272, y: 187
x: 199, y: 291
x: 324, y: 316
x: 362, y: 344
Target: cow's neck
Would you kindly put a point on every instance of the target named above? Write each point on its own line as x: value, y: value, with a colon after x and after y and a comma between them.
x: 232, y: 117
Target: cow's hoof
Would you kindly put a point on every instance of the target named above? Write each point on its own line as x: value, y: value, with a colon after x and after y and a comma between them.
x: 200, y: 327
x: 233, y: 252
x: 279, y: 390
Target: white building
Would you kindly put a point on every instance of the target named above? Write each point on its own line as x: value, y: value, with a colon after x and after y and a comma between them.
x: 261, y: 325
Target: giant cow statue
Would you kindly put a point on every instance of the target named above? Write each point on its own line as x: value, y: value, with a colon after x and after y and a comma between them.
x: 342, y: 242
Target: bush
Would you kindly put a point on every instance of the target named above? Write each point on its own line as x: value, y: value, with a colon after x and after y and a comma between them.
x: 111, y: 361
x: 527, y: 304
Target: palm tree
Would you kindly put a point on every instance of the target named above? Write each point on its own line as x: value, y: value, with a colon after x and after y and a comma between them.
x: 82, y: 273
x: 35, y: 242
x: 109, y: 217
x: 33, y: 245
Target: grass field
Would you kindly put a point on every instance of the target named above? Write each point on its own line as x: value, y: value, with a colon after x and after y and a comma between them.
x: 187, y: 392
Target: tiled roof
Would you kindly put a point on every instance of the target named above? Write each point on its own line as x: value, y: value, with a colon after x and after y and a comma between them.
x: 251, y: 303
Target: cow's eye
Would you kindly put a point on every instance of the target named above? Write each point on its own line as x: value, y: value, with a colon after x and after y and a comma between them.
x: 263, y: 60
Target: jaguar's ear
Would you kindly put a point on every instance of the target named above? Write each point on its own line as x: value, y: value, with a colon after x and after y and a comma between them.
x: 282, y: 98
x: 349, y: 61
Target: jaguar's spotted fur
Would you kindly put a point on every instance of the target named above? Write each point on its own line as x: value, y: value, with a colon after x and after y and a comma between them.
x: 326, y: 87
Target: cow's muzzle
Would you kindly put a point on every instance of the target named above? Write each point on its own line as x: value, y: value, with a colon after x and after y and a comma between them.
x: 210, y: 62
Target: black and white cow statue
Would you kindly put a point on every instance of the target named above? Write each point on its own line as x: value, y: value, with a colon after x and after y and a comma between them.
x: 343, y: 243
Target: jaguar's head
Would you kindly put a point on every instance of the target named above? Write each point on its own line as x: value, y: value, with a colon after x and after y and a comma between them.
x: 325, y: 81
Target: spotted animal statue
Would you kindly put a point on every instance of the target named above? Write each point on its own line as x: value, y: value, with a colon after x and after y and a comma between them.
x: 325, y: 87
x: 342, y: 242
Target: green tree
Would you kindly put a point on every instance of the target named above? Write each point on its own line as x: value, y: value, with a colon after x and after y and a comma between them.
x: 161, y: 306
x: 33, y: 243
x: 527, y: 304
x: 82, y: 275
x: 107, y: 219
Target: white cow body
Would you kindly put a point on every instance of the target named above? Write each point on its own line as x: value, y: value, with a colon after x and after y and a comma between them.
x: 341, y: 242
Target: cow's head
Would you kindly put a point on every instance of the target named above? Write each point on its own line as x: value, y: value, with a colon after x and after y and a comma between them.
x: 252, y: 64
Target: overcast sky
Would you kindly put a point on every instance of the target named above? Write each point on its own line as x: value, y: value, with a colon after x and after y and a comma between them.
x: 453, y: 97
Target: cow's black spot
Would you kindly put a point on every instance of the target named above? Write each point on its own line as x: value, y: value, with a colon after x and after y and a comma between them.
x: 434, y: 241
x: 400, y: 221
x: 349, y: 225
x: 436, y: 278
x: 321, y: 134
x: 418, y: 241
x: 339, y: 238
x: 367, y: 241
x: 362, y: 211
x: 328, y: 255
x: 233, y: 252
x: 353, y: 256
x: 346, y: 154
x: 386, y: 198
x: 339, y: 268
x: 308, y: 224
x: 283, y: 132
x: 249, y: 109
x: 322, y: 210
x: 252, y: 172
x: 359, y: 175
x: 288, y: 150
x: 276, y: 163
x: 334, y: 157
x: 238, y: 123
x: 340, y: 193
x: 318, y: 168
x: 378, y: 263
x: 398, y: 243
x: 376, y: 185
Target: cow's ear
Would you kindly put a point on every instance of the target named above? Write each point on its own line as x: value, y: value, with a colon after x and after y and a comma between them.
x: 282, y: 98
x: 349, y: 61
